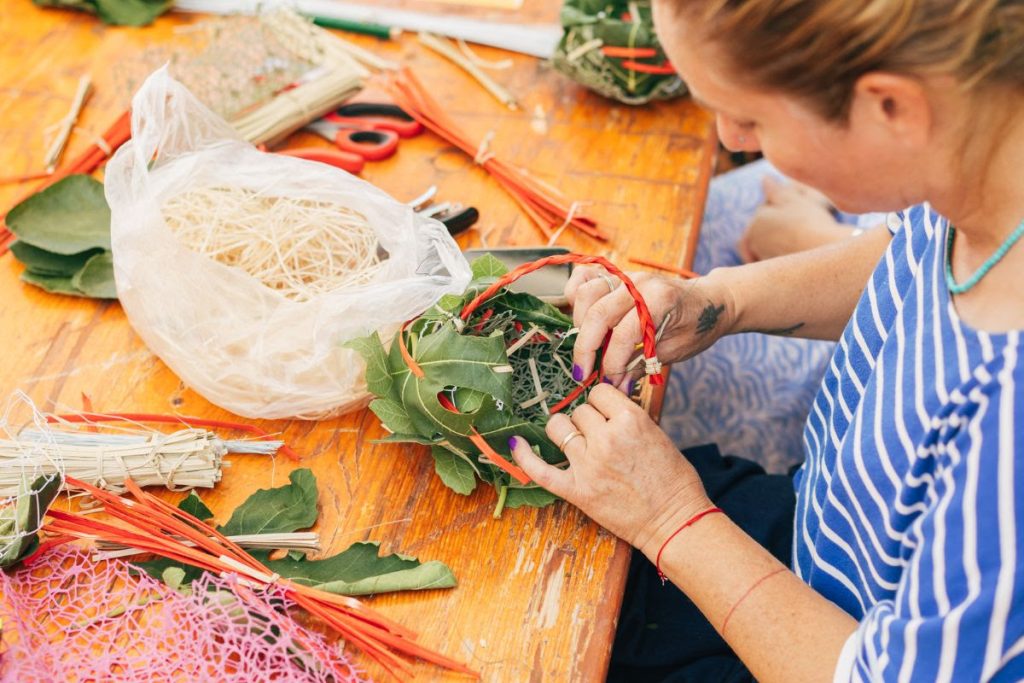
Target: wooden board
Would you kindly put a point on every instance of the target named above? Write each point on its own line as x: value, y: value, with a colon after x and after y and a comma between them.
x: 539, y: 590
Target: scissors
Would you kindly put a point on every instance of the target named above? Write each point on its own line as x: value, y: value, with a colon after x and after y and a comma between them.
x: 369, y: 129
x: 362, y: 131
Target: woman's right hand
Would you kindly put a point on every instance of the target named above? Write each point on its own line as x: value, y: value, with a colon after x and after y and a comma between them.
x: 697, y: 311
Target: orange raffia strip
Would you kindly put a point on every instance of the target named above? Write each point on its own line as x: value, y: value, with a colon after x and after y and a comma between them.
x: 410, y: 362
x: 153, y: 525
x: 480, y: 442
x: 542, y: 203
x: 514, y: 470
x: 86, y: 162
x: 665, y: 267
x: 629, y: 52
x: 263, y: 434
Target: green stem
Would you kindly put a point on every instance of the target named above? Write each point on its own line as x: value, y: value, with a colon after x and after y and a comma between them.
x: 502, y: 495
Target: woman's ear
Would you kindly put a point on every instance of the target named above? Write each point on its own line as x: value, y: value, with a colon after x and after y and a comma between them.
x: 892, y: 106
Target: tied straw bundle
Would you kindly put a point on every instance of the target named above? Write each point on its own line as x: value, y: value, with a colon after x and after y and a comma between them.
x: 545, y: 206
x: 186, y: 459
x: 152, y: 525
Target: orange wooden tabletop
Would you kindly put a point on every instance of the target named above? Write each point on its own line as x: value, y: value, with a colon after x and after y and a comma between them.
x: 539, y: 590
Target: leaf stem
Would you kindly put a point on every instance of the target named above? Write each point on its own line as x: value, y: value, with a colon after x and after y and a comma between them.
x: 502, y: 495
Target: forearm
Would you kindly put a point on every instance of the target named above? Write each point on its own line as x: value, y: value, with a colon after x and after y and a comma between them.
x: 782, y: 629
x: 810, y: 294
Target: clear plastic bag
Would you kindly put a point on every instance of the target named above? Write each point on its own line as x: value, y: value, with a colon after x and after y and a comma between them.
x: 240, y: 344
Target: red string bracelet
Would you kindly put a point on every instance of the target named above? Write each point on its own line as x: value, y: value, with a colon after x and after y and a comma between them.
x: 692, y: 520
x: 728, y: 615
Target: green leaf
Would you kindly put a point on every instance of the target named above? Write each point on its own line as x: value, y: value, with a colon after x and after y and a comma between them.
x: 456, y: 473
x: 427, y: 413
x: 393, y: 416
x: 532, y: 497
x: 131, y: 12
x: 487, y: 266
x: 96, y: 278
x: 175, y: 577
x: 118, y: 12
x: 195, y: 506
x: 19, y: 523
x: 83, y: 5
x: 378, y: 379
x: 398, y: 437
x: 69, y: 217
x: 54, y: 284
x: 279, y: 510
x: 359, y: 570
x: 159, y: 567
x: 44, y: 262
x: 529, y: 309
x: 452, y: 359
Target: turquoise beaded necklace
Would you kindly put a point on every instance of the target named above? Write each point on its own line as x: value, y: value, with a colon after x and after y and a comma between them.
x: 985, y: 267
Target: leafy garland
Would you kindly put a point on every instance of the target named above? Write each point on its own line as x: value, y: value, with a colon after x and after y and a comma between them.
x: 610, y: 47
x: 473, y: 388
x: 118, y: 12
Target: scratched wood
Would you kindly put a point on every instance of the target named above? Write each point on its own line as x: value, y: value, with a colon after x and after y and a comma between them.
x: 539, y: 590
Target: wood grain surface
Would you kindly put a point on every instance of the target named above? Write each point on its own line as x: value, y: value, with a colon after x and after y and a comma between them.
x: 539, y: 590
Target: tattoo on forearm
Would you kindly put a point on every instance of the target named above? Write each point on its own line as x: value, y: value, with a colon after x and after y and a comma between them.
x: 779, y: 332
x: 708, y: 318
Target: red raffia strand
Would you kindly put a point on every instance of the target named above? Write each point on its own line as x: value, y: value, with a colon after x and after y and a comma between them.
x: 542, y: 203
x: 153, y: 525
x: 87, y: 417
x: 664, y: 266
x: 86, y: 162
x: 663, y: 69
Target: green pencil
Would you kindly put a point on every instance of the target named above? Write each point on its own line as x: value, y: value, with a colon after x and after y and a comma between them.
x: 378, y: 30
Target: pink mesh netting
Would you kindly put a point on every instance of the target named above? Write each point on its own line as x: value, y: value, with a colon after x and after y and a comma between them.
x: 67, y: 618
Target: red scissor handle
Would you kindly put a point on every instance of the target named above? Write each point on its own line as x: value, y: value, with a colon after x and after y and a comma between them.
x: 346, y: 161
x: 372, y: 145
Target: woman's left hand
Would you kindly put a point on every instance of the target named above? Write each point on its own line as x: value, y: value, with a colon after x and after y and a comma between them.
x: 624, y: 472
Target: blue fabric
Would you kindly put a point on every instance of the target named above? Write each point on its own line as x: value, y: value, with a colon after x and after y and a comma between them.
x: 911, y: 502
x: 749, y: 393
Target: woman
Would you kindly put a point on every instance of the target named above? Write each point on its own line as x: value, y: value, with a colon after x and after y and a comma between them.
x: 907, y: 553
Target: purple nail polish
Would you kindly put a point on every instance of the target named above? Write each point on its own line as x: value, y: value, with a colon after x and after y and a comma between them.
x: 606, y: 380
x: 629, y: 387
x: 512, y: 441
x: 577, y: 373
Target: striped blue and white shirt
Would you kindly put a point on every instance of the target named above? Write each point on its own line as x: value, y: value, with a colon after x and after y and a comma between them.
x: 910, y: 505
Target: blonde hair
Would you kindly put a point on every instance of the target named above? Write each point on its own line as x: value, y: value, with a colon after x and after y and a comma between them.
x: 817, y: 49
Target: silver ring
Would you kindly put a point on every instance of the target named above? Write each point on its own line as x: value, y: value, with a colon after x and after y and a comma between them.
x: 568, y: 437
x: 612, y: 284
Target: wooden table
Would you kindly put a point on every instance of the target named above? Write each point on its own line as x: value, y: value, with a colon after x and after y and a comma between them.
x: 539, y: 590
